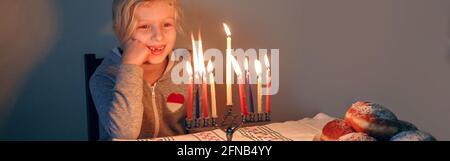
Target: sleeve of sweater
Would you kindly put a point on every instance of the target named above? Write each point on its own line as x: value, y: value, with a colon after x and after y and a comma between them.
x: 119, y: 103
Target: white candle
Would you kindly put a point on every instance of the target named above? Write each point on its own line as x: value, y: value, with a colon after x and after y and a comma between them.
x: 228, y: 65
x: 213, y: 90
x: 259, y: 87
x: 268, y: 81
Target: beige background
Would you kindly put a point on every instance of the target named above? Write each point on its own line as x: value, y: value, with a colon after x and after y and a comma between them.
x: 332, y: 53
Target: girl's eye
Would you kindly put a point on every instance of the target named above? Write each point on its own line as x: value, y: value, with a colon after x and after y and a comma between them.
x: 168, y: 25
x: 144, y: 27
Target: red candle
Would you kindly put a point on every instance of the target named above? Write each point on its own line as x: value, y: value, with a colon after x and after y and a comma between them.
x: 241, y: 83
x: 205, y: 96
x: 202, y: 71
x: 190, y: 90
x: 242, y: 98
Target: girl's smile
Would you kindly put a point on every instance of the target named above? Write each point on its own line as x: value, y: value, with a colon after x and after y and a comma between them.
x: 157, y: 49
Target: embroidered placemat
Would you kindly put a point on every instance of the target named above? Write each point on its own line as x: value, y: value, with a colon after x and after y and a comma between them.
x: 302, y: 130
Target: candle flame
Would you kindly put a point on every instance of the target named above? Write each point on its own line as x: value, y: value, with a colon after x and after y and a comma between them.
x: 210, y: 66
x: 266, y: 60
x: 227, y: 29
x: 236, y: 67
x: 246, y: 64
x: 194, y: 52
x: 189, y: 68
x: 200, y: 54
x: 258, y: 67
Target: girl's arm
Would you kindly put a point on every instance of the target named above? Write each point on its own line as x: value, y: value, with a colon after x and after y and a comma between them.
x: 119, y: 103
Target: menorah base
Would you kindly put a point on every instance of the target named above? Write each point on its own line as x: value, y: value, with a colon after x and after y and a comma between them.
x: 256, y: 117
x: 204, y: 124
x: 232, y: 126
x: 200, y: 124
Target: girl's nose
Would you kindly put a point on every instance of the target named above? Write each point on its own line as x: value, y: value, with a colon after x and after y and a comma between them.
x: 157, y: 34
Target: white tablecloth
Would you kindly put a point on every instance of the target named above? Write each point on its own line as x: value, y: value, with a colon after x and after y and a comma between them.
x: 306, y: 129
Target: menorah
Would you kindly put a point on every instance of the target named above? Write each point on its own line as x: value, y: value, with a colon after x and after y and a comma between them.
x: 198, y: 74
x: 230, y: 126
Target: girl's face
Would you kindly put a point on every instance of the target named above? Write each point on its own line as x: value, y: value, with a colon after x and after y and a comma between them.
x: 156, y: 28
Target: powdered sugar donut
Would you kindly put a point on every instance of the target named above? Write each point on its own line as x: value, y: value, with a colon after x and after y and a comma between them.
x: 373, y: 119
x: 335, y: 129
x: 413, y: 136
x: 356, y: 136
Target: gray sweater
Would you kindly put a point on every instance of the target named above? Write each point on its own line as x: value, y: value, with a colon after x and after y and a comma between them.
x: 129, y: 108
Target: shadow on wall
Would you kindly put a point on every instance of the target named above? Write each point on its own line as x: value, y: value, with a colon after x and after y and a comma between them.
x: 28, y: 32
x: 50, y: 103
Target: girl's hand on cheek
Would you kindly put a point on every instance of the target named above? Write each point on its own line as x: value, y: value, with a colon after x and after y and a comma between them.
x: 135, y: 52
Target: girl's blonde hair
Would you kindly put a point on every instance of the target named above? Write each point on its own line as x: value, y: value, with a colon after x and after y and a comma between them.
x: 124, y: 21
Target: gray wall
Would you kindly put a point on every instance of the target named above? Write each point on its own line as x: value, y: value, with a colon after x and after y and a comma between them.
x: 332, y: 53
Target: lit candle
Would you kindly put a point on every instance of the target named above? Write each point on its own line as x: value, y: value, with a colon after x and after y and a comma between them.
x: 247, y: 78
x: 259, y: 87
x: 228, y: 65
x: 268, y: 79
x: 197, y: 97
x: 213, y: 90
x: 194, y: 56
x: 190, y: 89
x: 238, y: 71
x: 197, y: 102
x: 203, y: 75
